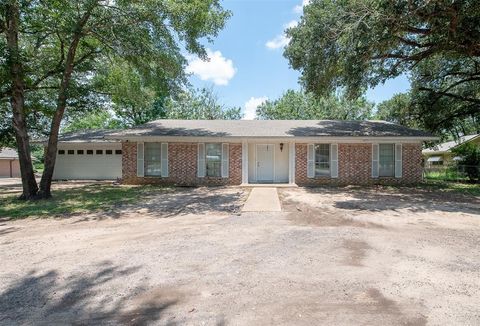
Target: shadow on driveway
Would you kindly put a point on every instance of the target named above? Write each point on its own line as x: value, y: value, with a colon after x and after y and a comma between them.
x: 46, y: 299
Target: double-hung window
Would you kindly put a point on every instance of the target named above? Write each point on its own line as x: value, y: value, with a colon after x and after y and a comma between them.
x: 213, y: 159
x: 152, y: 158
x: 386, y: 160
x: 322, y: 160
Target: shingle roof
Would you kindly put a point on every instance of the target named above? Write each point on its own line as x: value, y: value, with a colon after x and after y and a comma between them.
x: 447, y: 146
x: 269, y: 128
x: 85, y: 136
x: 8, y: 153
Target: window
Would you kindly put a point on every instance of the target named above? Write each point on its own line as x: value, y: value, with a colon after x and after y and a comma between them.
x: 89, y: 151
x: 61, y: 152
x: 70, y: 152
x: 80, y: 152
x: 437, y: 163
x: 322, y: 160
x: 386, y: 160
x: 108, y: 151
x: 99, y: 151
x: 152, y: 159
x: 118, y: 151
x: 213, y: 159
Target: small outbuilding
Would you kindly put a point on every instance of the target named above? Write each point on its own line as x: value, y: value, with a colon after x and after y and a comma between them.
x: 9, y: 163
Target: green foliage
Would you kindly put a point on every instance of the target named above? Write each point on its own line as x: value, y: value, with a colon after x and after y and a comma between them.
x: 200, y: 104
x: 304, y: 106
x: 79, y: 200
x: 92, y: 120
x: 356, y: 44
x: 399, y: 110
x: 130, y: 54
x: 470, y: 159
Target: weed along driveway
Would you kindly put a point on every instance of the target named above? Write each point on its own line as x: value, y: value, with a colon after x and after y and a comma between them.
x: 345, y: 256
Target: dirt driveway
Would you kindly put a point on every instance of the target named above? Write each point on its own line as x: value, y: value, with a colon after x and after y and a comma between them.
x: 332, y: 256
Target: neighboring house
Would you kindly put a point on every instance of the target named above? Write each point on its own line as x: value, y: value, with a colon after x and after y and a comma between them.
x: 9, y: 164
x: 88, y: 155
x: 441, y: 154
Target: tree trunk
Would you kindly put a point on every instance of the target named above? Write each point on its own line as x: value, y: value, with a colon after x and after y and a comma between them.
x: 17, y: 100
x: 51, y: 151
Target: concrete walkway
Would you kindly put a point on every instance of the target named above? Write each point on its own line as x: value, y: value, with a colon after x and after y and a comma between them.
x: 262, y: 200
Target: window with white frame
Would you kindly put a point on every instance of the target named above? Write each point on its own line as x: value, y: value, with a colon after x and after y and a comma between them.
x: 213, y: 159
x: 386, y: 160
x: 152, y: 159
x: 322, y: 160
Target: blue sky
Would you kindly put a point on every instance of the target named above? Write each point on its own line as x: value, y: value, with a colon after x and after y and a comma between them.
x: 247, y: 65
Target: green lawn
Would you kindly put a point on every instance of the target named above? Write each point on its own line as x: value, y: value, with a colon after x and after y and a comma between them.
x: 446, y: 186
x: 83, y: 199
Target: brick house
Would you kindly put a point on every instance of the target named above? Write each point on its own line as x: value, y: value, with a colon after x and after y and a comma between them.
x: 306, y: 152
x: 228, y: 152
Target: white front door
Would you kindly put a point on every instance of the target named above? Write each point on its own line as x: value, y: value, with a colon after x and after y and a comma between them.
x: 265, y: 154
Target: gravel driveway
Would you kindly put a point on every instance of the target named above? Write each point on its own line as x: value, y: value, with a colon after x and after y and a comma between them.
x: 332, y: 256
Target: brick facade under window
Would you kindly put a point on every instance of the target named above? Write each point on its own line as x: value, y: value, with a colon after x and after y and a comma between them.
x: 182, y: 166
x: 354, y: 166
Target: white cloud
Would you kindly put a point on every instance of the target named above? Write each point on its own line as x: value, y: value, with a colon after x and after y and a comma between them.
x: 217, y: 69
x: 299, y: 8
x: 250, y: 111
x: 281, y: 40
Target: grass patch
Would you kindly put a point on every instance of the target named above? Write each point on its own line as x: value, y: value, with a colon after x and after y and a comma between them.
x: 85, y: 199
x: 457, y: 187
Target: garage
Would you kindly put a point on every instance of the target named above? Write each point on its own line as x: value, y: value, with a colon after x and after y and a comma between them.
x: 9, y: 164
x: 88, y: 156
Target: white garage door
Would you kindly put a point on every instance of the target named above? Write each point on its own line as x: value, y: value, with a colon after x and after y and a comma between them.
x: 88, y: 161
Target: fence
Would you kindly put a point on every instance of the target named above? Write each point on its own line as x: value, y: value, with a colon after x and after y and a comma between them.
x: 453, y: 173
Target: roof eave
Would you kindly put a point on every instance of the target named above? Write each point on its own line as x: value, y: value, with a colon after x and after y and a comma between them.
x: 290, y: 138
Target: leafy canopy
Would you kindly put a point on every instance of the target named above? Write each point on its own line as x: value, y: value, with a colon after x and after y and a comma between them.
x: 304, y: 106
x: 130, y: 55
x: 201, y: 104
x: 356, y: 44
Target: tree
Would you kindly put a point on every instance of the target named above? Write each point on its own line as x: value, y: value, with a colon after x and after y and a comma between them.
x: 354, y: 45
x: 304, y: 106
x: 136, y: 99
x: 399, y: 109
x: 93, y: 120
x: 469, y: 154
x: 405, y: 109
x: 200, y: 104
x: 59, y: 47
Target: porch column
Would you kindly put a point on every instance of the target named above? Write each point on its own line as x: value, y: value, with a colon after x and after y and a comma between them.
x: 291, y: 162
x: 244, y: 162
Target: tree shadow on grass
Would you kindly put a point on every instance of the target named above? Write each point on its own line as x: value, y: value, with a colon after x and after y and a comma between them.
x: 112, y: 201
x: 179, y: 201
x: 82, y: 299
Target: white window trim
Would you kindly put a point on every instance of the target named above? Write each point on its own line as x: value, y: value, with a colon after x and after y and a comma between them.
x: 221, y: 159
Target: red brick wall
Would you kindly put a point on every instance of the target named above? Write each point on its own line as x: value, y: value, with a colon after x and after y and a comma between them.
x: 182, y: 166
x: 355, y: 166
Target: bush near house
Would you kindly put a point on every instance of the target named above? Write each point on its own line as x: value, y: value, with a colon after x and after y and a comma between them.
x: 470, y: 158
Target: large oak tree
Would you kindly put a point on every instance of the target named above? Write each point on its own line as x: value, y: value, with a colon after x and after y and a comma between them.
x: 356, y: 44
x: 57, y: 48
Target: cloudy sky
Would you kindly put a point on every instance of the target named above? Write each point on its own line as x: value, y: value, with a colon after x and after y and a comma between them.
x: 246, y: 65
